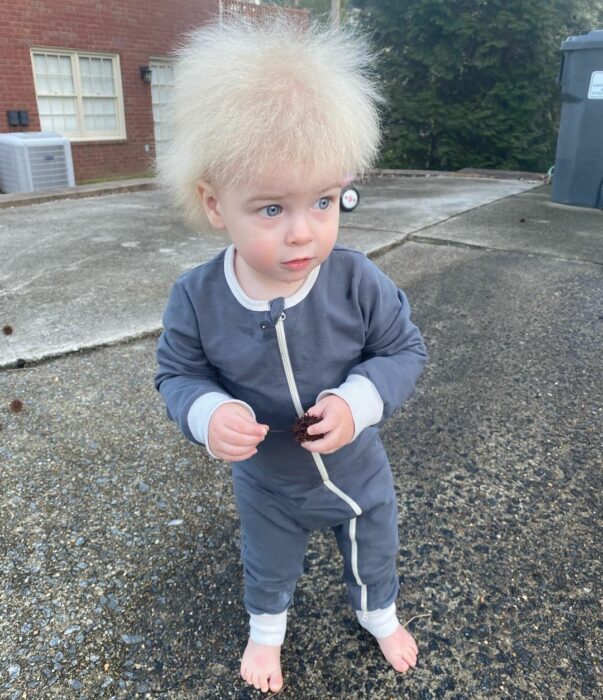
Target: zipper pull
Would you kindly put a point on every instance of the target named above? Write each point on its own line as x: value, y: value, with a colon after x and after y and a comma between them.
x: 276, y: 310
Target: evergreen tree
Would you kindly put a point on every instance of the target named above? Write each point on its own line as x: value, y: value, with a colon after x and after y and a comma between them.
x: 472, y: 83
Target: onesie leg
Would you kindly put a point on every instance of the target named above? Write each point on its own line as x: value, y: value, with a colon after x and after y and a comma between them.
x: 273, y: 546
x: 369, y: 546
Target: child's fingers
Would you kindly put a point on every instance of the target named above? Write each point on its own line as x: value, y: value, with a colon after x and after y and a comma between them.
x: 225, y: 448
x: 326, y: 425
x: 318, y: 410
x: 329, y: 443
x: 235, y: 455
x: 241, y: 434
x: 226, y: 445
x: 235, y: 439
x: 246, y: 425
x: 319, y: 447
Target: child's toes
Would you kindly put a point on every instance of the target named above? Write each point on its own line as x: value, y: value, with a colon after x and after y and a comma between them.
x: 276, y: 681
x: 410, y: 657
x: 399, y: 664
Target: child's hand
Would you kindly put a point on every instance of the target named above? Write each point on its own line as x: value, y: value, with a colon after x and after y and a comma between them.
x: 233, y: 433
x: 337, y: 425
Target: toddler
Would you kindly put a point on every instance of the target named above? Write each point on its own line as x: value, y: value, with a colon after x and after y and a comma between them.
x: 271, y: 118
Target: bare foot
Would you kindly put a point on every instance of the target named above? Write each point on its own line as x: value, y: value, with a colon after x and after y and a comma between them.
x: 400, y: 649
x: 261, y: 666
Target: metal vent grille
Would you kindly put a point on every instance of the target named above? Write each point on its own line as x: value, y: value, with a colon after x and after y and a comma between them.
x: 35, y: 161
x: 48, y: 167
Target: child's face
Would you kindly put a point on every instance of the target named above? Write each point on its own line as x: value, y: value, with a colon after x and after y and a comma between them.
x: 281, y: 230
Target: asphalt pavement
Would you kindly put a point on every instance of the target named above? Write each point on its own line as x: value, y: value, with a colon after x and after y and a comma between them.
x: 120, y: 573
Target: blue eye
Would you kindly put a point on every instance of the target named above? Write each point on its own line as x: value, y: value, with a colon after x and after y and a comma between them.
x: 272, y: 210
x: 323, y: 203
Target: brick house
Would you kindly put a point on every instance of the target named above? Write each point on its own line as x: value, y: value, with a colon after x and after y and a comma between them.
x: 99, y: 73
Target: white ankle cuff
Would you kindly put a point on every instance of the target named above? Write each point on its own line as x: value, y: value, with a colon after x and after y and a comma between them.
x: 268, y: 629
x: 381, y: 622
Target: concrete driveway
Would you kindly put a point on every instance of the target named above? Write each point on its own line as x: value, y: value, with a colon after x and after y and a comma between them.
x: 80, y: 273
x: 120, y: 575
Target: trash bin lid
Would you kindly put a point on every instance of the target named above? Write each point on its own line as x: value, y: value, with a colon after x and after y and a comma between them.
x: 592, y: 40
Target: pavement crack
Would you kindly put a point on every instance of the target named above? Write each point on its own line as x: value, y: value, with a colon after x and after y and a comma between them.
x: 414, y: 238
x: 80, y: 350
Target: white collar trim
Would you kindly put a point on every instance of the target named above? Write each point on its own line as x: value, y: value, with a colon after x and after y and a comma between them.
x: 255, y: 304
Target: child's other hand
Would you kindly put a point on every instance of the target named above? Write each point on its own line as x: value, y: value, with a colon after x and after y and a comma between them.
x: 337, y: 425
x: 233, y: 433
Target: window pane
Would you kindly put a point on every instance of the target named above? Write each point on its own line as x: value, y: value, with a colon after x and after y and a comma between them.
x: 40, y: 63
x: 100, y: 114
x: 45, y: 123
x: 53, y: 65
x: 55, y: 84
x: 97, y: 76
x: 65, y: 65
x: 108, y: 86
x: 44, y: 105
x: 43, y: 84
x: 67, y: 85
x: 85, y: 76
x: 57, y: 114
x: 53, y: 74
x: 108, y: 69
x: 41, y: 71
x: 96, y: 67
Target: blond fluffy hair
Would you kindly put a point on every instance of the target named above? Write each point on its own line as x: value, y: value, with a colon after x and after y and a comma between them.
x: 269, y: 97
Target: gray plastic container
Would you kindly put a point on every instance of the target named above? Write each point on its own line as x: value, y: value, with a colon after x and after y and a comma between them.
x: 578, y: 176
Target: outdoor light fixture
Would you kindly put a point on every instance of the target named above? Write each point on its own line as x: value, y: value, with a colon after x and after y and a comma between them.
x: 146, y: 74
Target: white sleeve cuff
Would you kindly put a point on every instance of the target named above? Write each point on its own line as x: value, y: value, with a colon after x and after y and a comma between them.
x: 362, y: 397
x: 203, y: 409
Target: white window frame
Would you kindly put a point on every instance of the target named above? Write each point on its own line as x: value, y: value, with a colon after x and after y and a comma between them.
x: 82, y: 134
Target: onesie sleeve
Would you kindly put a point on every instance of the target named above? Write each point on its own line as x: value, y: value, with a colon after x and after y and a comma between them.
x: 394, y: 353
x: 185, y: 374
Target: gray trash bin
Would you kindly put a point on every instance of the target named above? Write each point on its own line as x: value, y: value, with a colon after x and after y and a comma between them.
x: 578, y: 176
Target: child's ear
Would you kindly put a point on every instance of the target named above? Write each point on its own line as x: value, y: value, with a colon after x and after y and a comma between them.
x: 209, y: 199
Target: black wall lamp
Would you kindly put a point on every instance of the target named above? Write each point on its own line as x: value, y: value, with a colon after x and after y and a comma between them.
x: 146, y: 74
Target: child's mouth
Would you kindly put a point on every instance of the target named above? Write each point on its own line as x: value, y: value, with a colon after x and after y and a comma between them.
x: 299, y: 264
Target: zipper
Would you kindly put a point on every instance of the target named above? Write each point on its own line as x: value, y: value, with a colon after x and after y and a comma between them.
x: 286, y: 360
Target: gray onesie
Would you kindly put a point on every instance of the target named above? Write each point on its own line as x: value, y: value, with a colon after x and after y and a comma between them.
x: 346, y: 331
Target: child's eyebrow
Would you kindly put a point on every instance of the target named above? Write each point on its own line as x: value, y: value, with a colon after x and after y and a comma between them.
x: 281, y: 195
x: 265, y: 197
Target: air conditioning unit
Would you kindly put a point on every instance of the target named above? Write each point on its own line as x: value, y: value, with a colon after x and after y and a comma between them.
x: 35, y: 161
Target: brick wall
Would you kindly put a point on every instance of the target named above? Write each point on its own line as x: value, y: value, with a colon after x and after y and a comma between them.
x: 135, y: 29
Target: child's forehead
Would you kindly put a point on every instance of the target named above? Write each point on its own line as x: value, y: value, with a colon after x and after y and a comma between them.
x: 284, y: 185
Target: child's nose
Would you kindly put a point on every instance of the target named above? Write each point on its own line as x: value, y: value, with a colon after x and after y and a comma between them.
x: 299, y: 231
